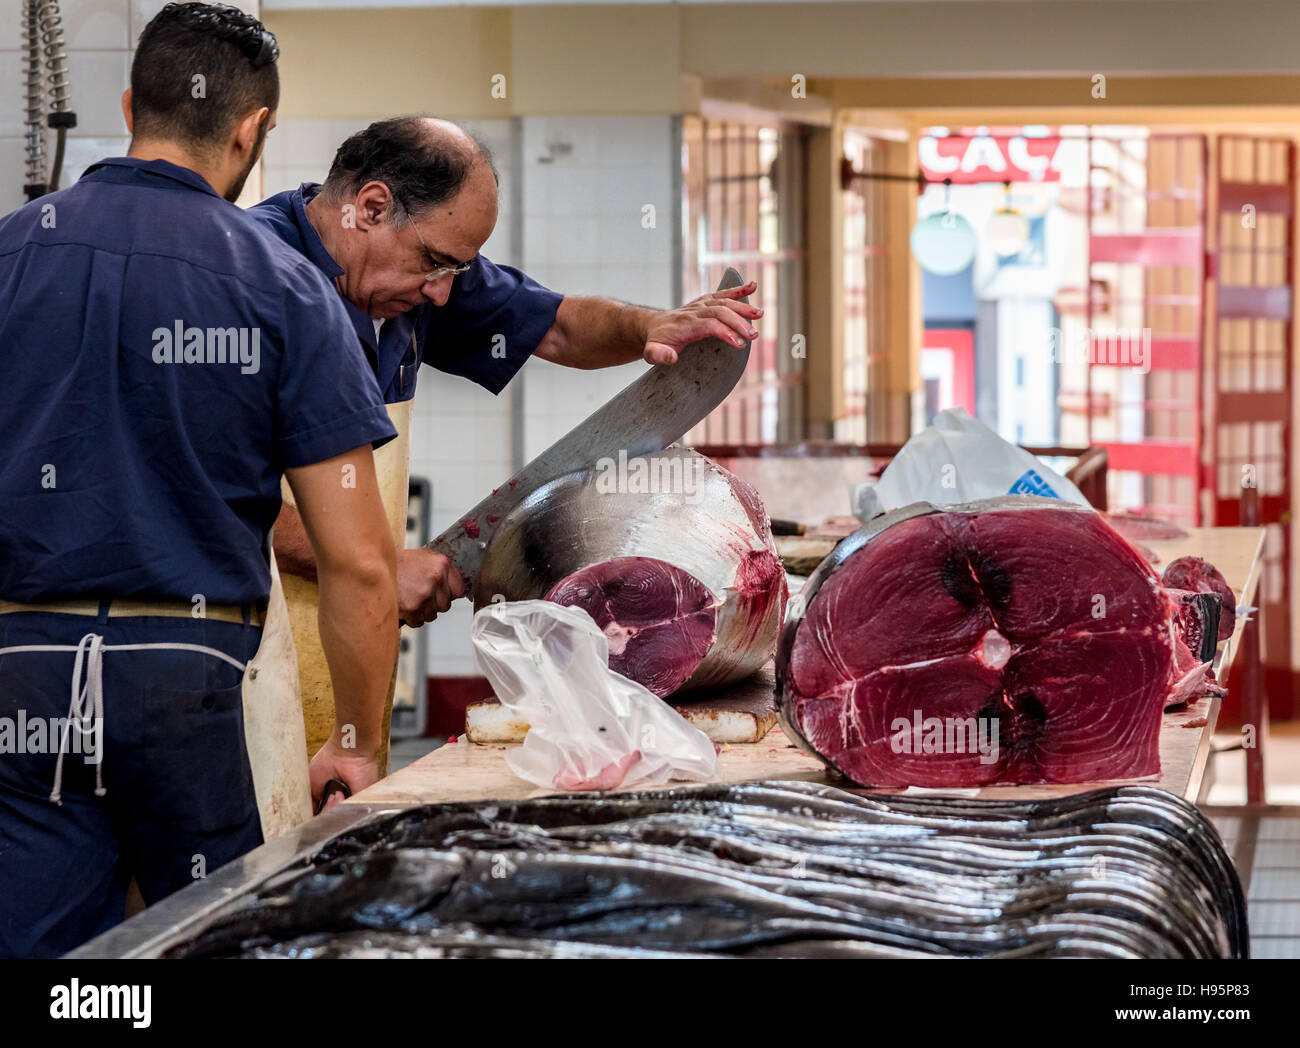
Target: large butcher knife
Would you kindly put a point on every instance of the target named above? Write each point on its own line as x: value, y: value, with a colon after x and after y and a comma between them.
x: 652, y: 412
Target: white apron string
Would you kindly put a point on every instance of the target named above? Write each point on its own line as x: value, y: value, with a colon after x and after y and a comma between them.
x: 86, y: 708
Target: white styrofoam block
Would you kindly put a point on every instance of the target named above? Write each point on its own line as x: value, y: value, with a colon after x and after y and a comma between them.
x: 98, y: 25
x: 97, y: 80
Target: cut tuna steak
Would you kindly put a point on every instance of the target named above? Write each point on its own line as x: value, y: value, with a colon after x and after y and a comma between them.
x: 659, y: 619
x: 1016, y: 639
x: 670, y: 554
x: 1200, y: 576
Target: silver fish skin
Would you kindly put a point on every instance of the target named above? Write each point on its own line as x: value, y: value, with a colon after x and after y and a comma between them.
x: 710, y: 524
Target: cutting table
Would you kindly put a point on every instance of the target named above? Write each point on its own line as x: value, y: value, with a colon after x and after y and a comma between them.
x: 465, y: 771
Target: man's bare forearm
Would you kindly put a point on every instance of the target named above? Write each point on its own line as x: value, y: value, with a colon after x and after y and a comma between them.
x: 593, y: 333
x: 343, y: 514
x: 293, y: 552
x: 359, y: 635
x: 601, y: 333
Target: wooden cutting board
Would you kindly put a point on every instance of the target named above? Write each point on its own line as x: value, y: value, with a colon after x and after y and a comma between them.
x: 743, y: 712
x: 801, y: 554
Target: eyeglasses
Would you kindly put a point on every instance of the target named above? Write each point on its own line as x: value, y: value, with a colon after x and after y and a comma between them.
x: 441, y: 271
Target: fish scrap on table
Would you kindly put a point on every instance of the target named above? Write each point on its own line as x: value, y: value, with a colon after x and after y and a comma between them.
x: 768, y: 869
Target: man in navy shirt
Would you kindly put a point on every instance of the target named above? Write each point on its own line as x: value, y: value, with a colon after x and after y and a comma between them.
x: 397, y: 226
x: 163, y: 362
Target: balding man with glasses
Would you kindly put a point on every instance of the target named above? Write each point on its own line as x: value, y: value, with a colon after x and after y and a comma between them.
x: 397, y: 226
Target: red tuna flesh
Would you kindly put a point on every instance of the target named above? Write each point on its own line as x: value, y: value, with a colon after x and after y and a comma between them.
x: 657, y: 617
x: 1200, y: 576
x: 1025, y: 618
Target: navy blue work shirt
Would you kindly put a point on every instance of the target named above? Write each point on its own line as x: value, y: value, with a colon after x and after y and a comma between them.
x: 457, y: 337
x: 138, y: 464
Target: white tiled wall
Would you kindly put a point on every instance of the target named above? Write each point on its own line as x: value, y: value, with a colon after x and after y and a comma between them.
x: 586, y: 183
x: 99, y: 35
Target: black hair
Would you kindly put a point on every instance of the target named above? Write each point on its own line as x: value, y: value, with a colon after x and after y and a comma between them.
x: 198, y: 70
x: 420, y: 169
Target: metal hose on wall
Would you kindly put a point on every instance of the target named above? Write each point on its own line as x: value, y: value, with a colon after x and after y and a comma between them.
x: 34, y: 132
x: 47, y: 53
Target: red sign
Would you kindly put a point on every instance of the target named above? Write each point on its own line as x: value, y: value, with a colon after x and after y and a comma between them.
x: 986, y: 158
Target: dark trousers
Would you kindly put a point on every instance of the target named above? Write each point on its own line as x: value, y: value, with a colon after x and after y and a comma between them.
x: 178, y: 800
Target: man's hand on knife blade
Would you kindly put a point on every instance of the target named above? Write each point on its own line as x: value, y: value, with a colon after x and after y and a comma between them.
x: 719, y: 314
x: 427, y: 583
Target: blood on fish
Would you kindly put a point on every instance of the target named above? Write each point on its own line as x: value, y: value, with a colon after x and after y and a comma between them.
x: 471, y: 526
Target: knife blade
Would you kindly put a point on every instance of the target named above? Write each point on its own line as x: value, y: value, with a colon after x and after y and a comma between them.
x: 646, y: 416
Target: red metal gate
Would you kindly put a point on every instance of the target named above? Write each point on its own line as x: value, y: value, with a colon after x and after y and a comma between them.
x: 1250, y: 379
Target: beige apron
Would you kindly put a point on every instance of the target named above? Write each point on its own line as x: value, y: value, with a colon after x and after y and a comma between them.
x: 392, y: 468
x: 273, y: 729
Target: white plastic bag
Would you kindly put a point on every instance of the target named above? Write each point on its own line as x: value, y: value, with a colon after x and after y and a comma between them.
x: 590, y: 728
x: 958, y: 459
